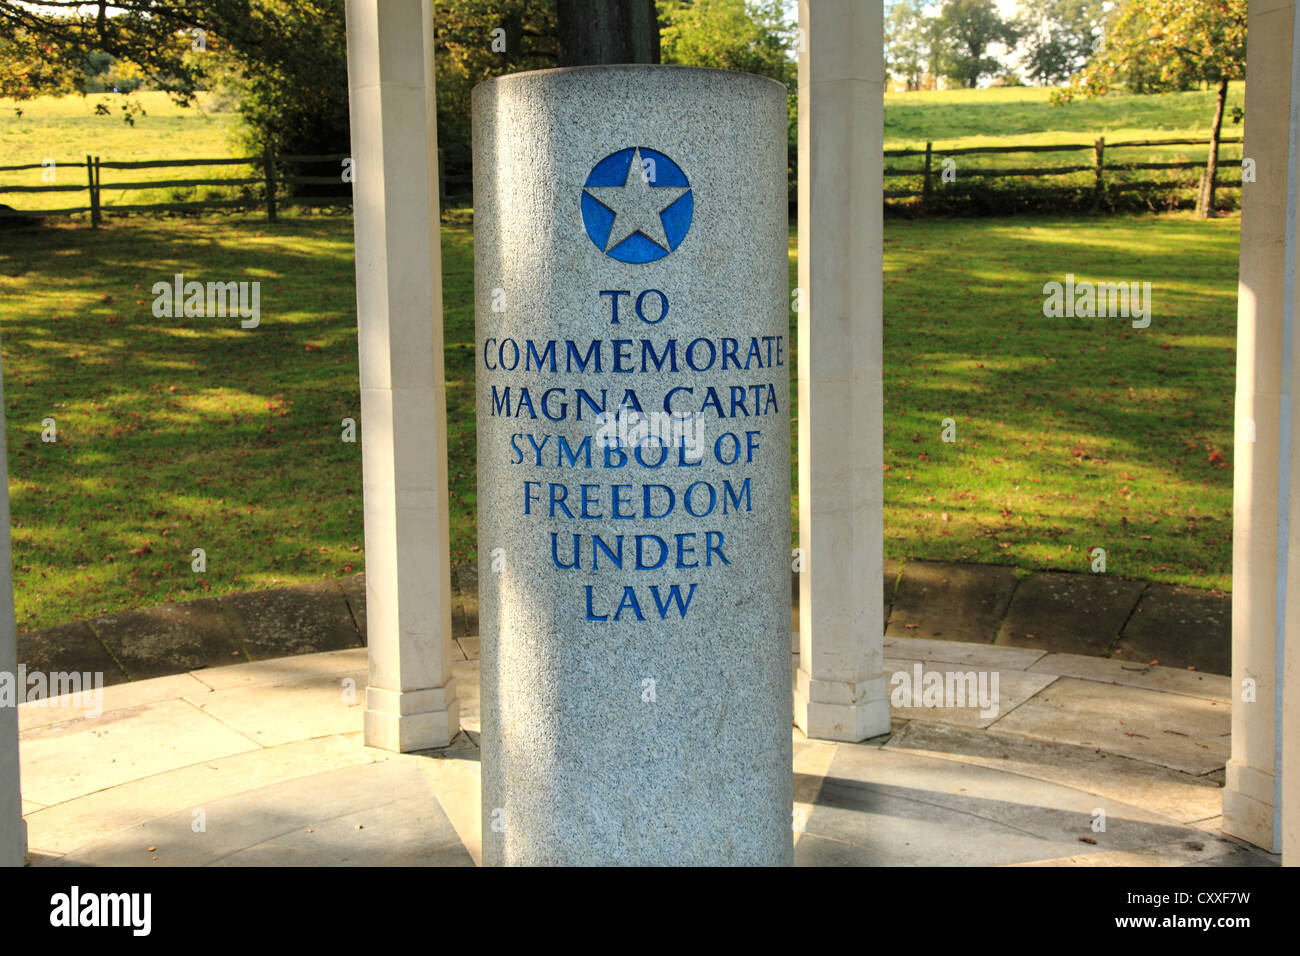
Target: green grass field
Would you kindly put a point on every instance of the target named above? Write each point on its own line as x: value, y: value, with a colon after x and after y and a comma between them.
x: 182, y: 433
x: 955, y: 118
x: 67, y: 128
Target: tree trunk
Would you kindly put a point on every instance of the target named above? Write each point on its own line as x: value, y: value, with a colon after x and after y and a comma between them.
x: 592, y: 32
x: 1205, y: 199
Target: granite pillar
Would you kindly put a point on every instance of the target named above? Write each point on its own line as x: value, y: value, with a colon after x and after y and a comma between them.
x: 633, y: 466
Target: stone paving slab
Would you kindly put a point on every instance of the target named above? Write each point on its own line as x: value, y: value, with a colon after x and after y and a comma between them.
x: 280, y: 622
x: 1013, y: 689
x: 285, y: 669
x: 956, y: 652
x: 1188, y: 852
x: 1183, y: 733
x: 69, y: 647
x: 1182, y: 797
x: 1069, y: 613
x: 1113, y: 671
x: 908, y: 810
x: 1180, y: 627
x: 294, y: 710
x: 454, y: 774
x: 951, y: 602
x: 135, y: 694
x: 75, y: 757
x: 170, y: 638
x: 373, y: 836
x: 814, y: 850
x: 336, y: 805
x: 467, y: 693
x: 66, y: 826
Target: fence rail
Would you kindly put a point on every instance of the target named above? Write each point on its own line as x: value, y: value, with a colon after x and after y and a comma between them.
x: 267, y: 175
x: 1098, y: 166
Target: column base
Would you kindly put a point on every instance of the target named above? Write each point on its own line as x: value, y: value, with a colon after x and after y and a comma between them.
x: 405, y: 721
x: 833, y: 710
x: 1248, y: 805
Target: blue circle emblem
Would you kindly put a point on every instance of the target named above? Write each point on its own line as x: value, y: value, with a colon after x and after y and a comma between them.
x: 637, y: 205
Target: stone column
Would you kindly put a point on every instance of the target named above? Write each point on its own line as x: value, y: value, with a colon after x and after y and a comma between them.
x: 630, y: 243
x: 1261, y: 506
x: 840, y: 688
x: 13, y: 829
x: 411, y: 700
x: 1275, y: 39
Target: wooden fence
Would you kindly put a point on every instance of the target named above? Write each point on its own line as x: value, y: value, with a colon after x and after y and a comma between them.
x: 266, y: 176
x: 1097, y: 164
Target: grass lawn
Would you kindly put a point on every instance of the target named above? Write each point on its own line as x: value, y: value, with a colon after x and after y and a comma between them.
x: 66, y: 128
x: 954, y: 118
x: 1072, y: 433
x: 182, y: 433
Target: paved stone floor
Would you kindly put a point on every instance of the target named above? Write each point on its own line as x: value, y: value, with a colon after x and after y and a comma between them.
x: 263, y: 764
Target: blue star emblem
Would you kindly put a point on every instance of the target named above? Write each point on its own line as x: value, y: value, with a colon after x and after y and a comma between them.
x: 637, y: 205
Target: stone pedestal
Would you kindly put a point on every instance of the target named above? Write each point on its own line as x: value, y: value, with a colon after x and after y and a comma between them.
x: 631, y: 252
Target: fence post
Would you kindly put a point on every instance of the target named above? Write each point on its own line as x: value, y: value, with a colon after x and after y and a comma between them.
x: 442, y: 182
x: 1098, y: 159
x: 93, y: 186
x: 925, y: 178
x: 99, y: 195
x: 268, y: 164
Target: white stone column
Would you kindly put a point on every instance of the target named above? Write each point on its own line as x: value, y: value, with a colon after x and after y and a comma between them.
x: 1265, y: 565
x: 411, y: 701
x: 1279, y: 35
x: 840, y: 689
x: 13, y: 830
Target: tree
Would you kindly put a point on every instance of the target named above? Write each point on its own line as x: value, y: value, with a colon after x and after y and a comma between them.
x: 728, y: 35
x: 292, y: 51
x: 1057, y: 36
x: 907, y: 43
x: 1173, y: 44
x: 607, y: 31
x: 970, y: 26
x: 478, y: 39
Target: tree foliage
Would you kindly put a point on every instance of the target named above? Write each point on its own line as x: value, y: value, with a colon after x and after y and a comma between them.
x: 910, y: 38
x: 728, y: 35
x: 970, y: 27
x: 1057, y: 37
x: 1160, y: 46
x: 1157, y: 46
x: 478, y: 39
